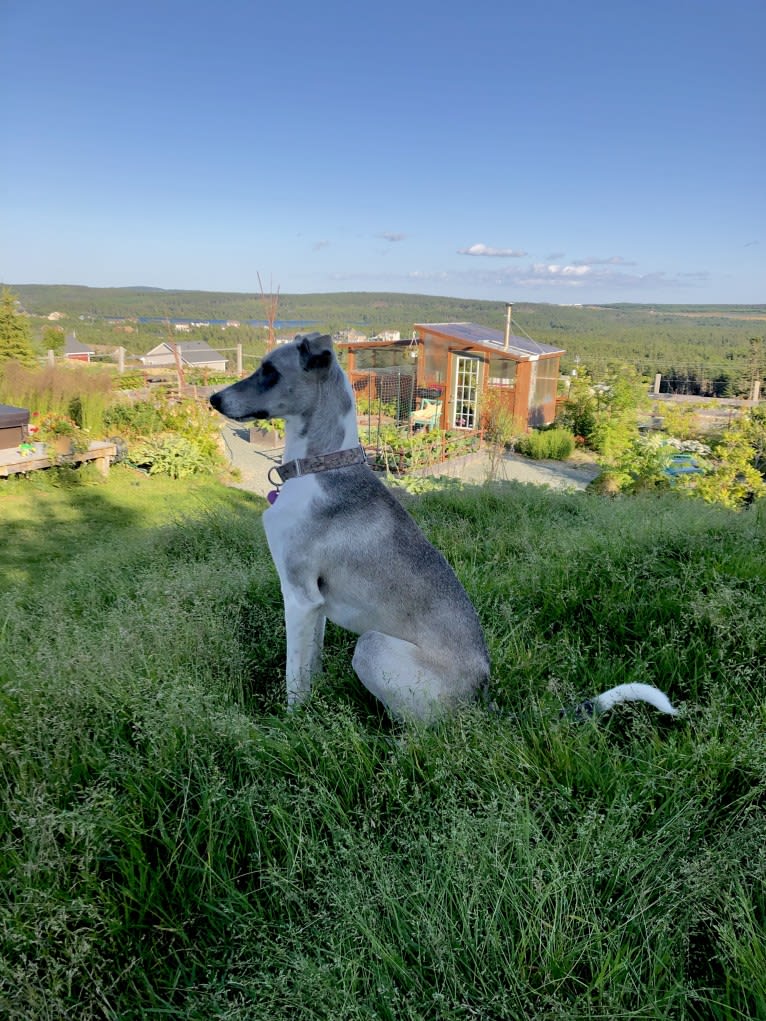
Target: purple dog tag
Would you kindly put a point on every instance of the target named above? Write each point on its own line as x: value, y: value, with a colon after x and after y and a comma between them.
x: 272, y: 496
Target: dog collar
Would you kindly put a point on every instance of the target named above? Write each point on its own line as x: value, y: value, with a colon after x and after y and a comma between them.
x: 312, y: 465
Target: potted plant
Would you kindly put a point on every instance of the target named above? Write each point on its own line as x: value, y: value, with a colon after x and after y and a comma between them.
x: 61, y: 434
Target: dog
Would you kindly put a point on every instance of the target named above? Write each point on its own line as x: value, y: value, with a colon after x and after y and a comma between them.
x: 347, y: 551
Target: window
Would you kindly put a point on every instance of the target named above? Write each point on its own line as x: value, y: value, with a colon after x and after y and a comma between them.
x: 383, y: 358
x: 502, y: 372
x: 545, y: 378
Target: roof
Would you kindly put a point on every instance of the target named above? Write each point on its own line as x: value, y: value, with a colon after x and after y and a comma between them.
x: 191, y: 351
x: 72, y: 346
x: 482, y: 336
x: 198, y: 351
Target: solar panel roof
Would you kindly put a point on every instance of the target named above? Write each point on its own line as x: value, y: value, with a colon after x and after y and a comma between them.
x: 472, y: 333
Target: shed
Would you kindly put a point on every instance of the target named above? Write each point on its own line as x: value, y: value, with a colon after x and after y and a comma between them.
x: 453, y: 366
x: 194, y: 354
x: 74, y: 351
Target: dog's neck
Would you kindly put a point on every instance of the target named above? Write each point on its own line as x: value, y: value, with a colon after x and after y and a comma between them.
x: 330, y: 424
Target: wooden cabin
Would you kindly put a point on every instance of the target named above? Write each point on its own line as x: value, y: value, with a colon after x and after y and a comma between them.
x: 446, y: 369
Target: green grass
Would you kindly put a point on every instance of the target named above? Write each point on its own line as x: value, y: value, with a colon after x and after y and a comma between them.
x: 175, y: 845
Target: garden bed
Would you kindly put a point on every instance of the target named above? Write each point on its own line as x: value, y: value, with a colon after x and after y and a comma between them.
x: 400, y: 454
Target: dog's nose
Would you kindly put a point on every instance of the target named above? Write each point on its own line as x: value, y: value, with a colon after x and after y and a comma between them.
x: 215, y: 400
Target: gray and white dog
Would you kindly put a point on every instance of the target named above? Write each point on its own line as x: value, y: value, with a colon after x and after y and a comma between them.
x: 345, y: 550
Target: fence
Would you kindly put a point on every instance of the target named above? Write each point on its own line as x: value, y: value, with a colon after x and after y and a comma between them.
x: 400, y: 422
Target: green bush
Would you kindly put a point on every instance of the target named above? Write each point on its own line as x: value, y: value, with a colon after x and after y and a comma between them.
x: 175, y: 456
x: 547, y: 444
x: 132, y: 419
x: 154, y: 422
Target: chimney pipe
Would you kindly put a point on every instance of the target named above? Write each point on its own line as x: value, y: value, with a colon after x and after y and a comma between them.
x: 508, y: 310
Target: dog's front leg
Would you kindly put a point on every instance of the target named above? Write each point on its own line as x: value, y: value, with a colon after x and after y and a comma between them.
x: 304, y: 621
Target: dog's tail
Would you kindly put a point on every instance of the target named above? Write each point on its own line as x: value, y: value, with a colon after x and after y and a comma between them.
x: 626, y: 693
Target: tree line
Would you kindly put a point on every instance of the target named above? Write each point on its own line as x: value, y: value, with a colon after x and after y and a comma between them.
x: 703, y: 350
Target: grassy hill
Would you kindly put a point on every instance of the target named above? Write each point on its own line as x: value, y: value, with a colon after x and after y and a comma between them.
x: 174, y: 844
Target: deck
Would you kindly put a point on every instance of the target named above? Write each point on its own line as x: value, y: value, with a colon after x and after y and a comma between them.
x: 12, y: 462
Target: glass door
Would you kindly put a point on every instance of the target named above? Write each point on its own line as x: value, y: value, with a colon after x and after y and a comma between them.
x: 465, y: 413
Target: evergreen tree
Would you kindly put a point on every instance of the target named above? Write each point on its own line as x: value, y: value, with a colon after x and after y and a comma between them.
x: 15, y: 336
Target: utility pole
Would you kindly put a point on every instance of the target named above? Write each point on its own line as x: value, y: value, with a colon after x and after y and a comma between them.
x: 756, y: 367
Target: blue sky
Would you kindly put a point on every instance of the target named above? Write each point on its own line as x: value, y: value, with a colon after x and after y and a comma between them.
x: 591, y: 152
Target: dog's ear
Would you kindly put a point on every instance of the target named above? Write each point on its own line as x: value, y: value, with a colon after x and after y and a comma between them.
x: 314, y: 351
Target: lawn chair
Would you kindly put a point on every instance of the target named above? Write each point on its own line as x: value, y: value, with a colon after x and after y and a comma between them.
x: 427, y: 415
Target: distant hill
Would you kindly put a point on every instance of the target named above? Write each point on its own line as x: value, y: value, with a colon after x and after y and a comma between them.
x: 377, y: 309
x: 696, y: 340
x: 326, y: 309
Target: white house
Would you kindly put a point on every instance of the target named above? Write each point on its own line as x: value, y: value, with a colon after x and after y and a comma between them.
x: 195, y: 354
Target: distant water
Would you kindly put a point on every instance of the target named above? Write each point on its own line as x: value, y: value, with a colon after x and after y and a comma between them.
x: 280, y: 324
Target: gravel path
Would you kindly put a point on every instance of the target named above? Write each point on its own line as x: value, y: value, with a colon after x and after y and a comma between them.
x: 255, y: 460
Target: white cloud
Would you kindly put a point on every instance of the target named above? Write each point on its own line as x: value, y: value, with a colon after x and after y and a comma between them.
x: 502, y: 253
x: 388, y: 235
x: 544, y: 281
x: 554, y: 270
x: 613, y: 260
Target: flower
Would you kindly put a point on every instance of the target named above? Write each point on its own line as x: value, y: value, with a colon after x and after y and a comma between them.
x: 52, y: 427
x: 53, y: 424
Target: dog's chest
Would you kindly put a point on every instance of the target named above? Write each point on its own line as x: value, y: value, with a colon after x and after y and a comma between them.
x: 289, y: 522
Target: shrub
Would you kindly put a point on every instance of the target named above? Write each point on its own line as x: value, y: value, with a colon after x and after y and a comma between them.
x: 579, y: 411
x: 171, y: 455
x: 548, y: 444
x: 735, y: 481
x: 132, y: 419
x: 176, y: 439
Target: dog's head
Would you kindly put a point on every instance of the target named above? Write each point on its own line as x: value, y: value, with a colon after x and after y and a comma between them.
x: 284, y: 384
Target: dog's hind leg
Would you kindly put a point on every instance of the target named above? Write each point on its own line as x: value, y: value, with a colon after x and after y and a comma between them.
x: 399, y: 674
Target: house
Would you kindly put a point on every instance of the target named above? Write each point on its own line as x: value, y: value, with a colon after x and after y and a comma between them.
x: 352, y: 336
x: 446, y: 371
x: 194, y: 354
x: 74, y: 351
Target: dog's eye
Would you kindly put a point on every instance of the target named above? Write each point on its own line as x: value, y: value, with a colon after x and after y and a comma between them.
x: 269, y: 375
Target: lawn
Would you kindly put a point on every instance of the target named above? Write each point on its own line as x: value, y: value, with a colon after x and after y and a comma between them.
x: 174, y: 844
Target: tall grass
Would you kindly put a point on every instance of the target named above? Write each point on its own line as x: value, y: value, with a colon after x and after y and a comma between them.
x: 81, y: 392
x: 175, y: 845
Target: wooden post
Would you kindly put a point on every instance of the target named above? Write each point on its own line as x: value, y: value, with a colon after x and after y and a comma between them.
x: 51, y: 357
x: 657, y: 383
x: 120, y: 360
x: 240, y: 370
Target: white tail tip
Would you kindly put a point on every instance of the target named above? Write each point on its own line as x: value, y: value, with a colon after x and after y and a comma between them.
x: 635, y: 693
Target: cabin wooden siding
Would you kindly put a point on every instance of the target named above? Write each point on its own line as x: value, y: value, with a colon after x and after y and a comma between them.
x: 434, y: 349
